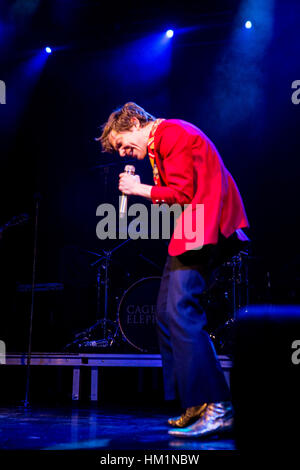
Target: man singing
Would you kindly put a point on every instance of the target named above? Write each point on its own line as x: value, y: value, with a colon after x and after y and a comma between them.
x: 188, y: 171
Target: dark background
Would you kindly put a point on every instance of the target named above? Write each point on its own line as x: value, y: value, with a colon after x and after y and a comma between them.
x: 233, y: 83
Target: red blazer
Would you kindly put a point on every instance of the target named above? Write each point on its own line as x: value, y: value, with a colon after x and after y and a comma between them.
x: 192, y: 172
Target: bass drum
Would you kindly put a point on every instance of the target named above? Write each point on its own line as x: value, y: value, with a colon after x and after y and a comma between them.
x: 137, y: 314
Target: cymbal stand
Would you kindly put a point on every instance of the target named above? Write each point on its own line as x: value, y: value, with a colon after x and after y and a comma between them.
x: 103, y: 263
x: 105, y: 258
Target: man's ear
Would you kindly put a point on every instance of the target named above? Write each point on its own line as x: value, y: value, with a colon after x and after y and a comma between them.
x: 135, y: 122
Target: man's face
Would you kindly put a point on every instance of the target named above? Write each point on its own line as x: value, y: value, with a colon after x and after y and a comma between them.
x: 131, y: 143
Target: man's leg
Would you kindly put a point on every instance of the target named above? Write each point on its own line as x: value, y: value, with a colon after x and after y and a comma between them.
x: 198, y: 372
x: 164, y: 338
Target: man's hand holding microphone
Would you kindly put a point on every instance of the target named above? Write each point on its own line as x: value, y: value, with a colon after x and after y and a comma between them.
x: 130, y: 184
x: 128, y: 181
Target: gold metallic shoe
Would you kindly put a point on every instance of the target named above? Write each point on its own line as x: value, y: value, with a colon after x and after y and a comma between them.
x: 188, y: 417
x: 217, y: 417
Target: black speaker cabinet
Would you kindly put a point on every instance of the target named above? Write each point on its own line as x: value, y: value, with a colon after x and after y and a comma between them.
x: 265, y: 379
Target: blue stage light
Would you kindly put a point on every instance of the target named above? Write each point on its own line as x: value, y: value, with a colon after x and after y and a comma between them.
x: 248, y: 24
x: 48, y: 50
x: 170, y: 33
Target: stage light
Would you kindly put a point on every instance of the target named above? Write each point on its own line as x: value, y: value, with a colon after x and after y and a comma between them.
x: 170, y: 33
x: 48, y: 50
x: 248, y: 24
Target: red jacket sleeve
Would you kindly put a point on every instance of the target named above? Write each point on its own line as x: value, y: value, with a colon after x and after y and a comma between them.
x: 174, y: 150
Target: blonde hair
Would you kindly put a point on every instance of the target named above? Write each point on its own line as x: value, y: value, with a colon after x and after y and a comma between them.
x: 121, y: 120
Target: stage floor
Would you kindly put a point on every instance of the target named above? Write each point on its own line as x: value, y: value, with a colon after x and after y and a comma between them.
x: 100, y: 428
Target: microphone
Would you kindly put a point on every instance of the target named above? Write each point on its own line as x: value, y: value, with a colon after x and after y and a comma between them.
x: 130, y: 169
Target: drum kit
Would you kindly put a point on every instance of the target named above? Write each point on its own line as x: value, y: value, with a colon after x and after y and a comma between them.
x: 133, y: 322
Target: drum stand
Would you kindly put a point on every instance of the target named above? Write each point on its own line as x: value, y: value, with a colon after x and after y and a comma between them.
x: 83, y: 339
x: 224, y: 334
x: 238, y: 280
